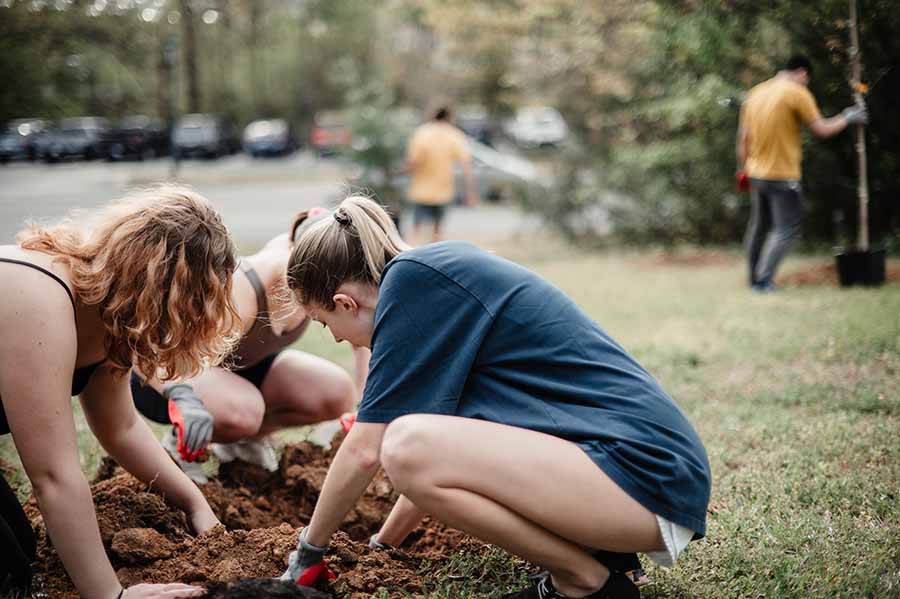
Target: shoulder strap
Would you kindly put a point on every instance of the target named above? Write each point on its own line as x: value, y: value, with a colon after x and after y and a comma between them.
x: 262, y: 304
x: 51, y: 275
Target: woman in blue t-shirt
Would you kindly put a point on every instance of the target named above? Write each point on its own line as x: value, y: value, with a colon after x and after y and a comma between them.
x: 498, y: 407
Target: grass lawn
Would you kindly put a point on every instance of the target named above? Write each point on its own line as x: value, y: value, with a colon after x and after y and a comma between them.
x: 796, y: 396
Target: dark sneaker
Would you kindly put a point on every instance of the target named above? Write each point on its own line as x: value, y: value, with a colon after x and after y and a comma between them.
x: 623, y: 563
x: 617, y: 587
x: 763, y: 288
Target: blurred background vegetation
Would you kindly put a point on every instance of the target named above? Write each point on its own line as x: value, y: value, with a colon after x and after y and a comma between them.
x: 650, y: 89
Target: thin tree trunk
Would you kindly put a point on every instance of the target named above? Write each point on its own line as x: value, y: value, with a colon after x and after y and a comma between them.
x: 189, y: 33
x: 863, y: 189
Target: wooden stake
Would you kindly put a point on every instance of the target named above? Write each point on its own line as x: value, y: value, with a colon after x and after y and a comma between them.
x: 862, y: 242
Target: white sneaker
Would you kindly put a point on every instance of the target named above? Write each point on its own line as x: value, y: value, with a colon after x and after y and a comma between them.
x: 194, y: 470
x: 253, y: 451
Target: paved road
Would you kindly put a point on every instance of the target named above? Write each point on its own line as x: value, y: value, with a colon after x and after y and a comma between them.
x: 257, y: 198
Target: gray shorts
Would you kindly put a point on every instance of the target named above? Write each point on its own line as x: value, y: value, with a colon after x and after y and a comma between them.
x: 425, y: 213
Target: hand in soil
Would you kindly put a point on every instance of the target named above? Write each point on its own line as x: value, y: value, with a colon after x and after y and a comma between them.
x: 204, y: 519
x: 306, y: 565
x: 163, y: 591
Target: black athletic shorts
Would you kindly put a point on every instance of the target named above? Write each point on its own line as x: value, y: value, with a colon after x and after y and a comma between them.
x: 154, y: 406
x: 17, y: 544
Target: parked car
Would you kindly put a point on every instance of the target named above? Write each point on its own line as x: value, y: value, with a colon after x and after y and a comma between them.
x: 80, y: 137
x: 271, y: 137
x: 476, y: 123
x: 139, y: 137
x: 20, y: 139
x: 330, y: 132
x: 205, y: 136
x: 537, y: 127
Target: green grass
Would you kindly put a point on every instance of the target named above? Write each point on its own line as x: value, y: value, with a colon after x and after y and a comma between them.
x: 796, y: 396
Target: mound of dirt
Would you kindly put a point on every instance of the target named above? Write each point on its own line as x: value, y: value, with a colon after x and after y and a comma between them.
x: 690, y: 259
x: 148, y: 541
x: 826, y: 274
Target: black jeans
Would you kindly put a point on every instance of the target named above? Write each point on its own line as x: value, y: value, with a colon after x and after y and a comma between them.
x: 17, y: 544
x: 776, y: 215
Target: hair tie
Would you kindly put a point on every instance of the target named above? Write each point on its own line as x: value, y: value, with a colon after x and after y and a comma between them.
x: 342, y: 218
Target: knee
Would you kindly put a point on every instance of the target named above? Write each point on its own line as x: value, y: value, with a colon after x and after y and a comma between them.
x: 240, y: 416
x: 408, y: 442
x: 336, y: 398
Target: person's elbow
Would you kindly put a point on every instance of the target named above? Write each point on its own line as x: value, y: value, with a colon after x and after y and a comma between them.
x: 365, y: 456
x: 823, y: 129
x: 59, y: 483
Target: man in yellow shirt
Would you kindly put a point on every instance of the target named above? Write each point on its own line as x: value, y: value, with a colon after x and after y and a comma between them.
x: 432, y: 152
x: 769, y: 150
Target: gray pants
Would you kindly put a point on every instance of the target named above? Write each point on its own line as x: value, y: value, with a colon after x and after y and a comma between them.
x: 775, y: 218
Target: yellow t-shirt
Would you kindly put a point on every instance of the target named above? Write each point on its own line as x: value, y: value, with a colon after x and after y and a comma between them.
x: 772, y: 115
x: 434, y: 148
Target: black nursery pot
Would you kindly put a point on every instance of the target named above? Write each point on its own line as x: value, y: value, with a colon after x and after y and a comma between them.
x: 857, y: 267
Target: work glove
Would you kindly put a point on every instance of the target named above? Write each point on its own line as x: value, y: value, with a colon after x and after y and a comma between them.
x: 306, y: 565
x: 742, y: 181
x: 856, y: 114
x: 191, y: 419
x: 374, y: 543
x: 347, y: 421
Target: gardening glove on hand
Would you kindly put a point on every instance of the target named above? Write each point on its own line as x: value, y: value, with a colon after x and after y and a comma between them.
x: 857, y: 114
x: 191, y: 419
x: 742, y: 181
x: 374, y: 543
x: 306, y: 565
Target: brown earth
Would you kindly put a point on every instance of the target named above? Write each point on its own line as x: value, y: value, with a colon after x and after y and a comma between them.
x: 148, y: 541
x: 689, y: 259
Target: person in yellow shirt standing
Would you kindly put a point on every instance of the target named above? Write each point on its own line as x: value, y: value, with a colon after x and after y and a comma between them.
x: 433, y: 150
x: 769, y: 151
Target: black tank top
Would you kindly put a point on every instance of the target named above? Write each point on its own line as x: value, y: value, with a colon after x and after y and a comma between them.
x: 80, y: 376
x: 261, y: 341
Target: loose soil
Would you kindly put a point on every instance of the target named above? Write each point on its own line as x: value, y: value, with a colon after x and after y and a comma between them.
x: 148, y: 541
x: 689, y: 259
x: 825, y: 274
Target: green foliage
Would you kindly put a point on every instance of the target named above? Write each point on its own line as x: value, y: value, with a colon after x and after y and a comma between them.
x: 675, y: 145
x: 380, y: 133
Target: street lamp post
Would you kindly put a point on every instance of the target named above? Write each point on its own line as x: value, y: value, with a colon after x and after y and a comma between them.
x: 170, y: 55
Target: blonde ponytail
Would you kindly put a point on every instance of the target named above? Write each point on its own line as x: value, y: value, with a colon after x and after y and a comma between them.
x: 354, y: 244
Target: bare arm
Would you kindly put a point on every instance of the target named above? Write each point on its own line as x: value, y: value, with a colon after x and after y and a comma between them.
x: 353, y: 468
x: 112, y: 417
x: 402, y: 520
x: 743, y: 143
x: 361, y: 356
x: 824, y: 128
x: 37, y: 357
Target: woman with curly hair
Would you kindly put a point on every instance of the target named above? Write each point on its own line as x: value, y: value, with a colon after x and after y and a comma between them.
x: 146, y: 285
x: 263, y: 385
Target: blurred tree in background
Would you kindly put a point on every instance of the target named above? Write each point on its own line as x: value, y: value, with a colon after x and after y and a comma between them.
x: 649, y: 88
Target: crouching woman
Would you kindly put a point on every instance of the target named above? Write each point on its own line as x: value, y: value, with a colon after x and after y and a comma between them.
x: 498, y: 407
x: 147, y: 283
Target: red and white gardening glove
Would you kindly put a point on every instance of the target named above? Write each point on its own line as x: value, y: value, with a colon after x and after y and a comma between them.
x: 191, y: 419
x: 347, y: 421
x: 742, y: 181
x: 306, y: 565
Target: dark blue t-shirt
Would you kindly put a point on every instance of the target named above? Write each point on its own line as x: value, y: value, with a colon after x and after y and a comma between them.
x: 462, y: 332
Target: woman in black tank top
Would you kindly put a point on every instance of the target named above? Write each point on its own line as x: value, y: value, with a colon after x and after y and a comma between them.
x: 264, y: 386
x: 148, y: 285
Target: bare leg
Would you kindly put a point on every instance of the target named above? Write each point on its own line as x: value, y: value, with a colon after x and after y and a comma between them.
x: 303, y: 389
x: 436, y: 233
x: 538, y: 496
x: 236, y: 405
